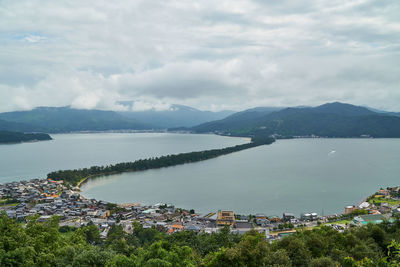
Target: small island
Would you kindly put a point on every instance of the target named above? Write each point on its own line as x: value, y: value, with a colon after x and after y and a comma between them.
x: 7, y: 137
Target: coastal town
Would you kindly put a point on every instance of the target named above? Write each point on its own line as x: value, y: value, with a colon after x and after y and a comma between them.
x: 44, y: 198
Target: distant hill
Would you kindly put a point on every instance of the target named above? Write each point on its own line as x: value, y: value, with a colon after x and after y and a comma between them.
x: 340, y: 109
x: 243, y: 120
x: 331, y: 120
x: 328, y: 120
x: 17, y: 137
x: 397, y: 114
x: 18, y: 127
x: 65, y: 119
x: 176, y: 116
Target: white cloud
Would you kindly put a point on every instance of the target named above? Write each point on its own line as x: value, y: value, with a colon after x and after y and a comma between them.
x: 210, y: 55
x: 34, y: 38
x: 143, y: 105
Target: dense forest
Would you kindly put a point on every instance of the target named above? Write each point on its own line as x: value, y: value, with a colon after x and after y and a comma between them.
x: 74, y: 177
x: 47, y: 244
x: 17, y: 137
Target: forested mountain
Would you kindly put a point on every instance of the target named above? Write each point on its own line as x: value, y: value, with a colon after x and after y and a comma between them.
x: 17, y: 137
x: 397, y: 114
x: 329, y: 120
x: 239, y: 121
x: 339, y: 109
x: 18, y: 127
x: 175, y: 116
x: 65, y: 119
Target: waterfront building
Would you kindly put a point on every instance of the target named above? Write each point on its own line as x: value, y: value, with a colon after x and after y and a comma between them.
x: 287, y: 217
x: 350, y: 209
x: 225, y: 218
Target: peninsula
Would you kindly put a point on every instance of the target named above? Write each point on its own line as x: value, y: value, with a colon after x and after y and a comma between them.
x: 77, y: 177
x: 7, y: 137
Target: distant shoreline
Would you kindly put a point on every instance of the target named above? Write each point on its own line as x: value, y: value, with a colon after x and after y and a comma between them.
x: 24, y: 142
x: 219, y: 134
x: 9, y: 137
x: 78, y: 176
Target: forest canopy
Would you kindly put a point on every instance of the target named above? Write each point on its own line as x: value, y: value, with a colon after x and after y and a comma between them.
x: 18, y: 137
x: 47, y: 244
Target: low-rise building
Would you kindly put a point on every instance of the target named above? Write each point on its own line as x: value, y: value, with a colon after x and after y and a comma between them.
x: 350, y: 209
x: 287, y: 217
x: 225, y: 218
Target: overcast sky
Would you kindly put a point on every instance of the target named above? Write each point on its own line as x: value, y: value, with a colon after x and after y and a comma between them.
x: 207, y: 54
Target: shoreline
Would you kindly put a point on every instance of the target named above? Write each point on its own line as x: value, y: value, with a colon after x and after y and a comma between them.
x: 77, y: 176
x: 216, y: 133
x: 86, y: 179
x: 339, y: 216
x: 381, y: 195
x: 24, y: 142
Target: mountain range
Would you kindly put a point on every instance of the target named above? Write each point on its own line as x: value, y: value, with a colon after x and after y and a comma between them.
x: 174, y: 116
x: 328, y: 120
x: 66, y: 119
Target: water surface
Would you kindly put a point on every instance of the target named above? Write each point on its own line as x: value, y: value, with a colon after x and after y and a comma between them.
x: 68, y: 151
x: 298, y: 175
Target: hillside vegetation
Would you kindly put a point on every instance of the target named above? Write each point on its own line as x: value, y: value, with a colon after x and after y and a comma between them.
x: 329, y: 120
x: 17, y: 137
x: 47, y: 244
x: 65, y: 119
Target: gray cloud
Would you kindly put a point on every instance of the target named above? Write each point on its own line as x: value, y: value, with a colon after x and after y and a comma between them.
x: 210, y: 55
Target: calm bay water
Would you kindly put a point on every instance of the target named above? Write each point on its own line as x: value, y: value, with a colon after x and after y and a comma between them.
x: 299, y: 175
x: 69, y: 151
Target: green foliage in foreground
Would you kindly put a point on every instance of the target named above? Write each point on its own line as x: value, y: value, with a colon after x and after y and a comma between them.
x: 75, y: 176
x: 45, y: 244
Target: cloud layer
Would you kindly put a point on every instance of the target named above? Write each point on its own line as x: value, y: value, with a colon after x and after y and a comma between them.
x: 206, y: 54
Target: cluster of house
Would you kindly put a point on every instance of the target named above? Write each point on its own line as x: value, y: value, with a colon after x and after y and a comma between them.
x: 47, y: 198
x: 381, y: 206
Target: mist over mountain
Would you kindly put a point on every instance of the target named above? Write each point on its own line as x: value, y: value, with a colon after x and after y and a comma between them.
x: 174, y: 116
x: 328, y: 120
x: 66, y: 119
x: 384, y: 112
